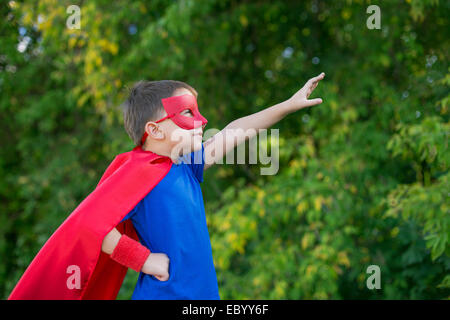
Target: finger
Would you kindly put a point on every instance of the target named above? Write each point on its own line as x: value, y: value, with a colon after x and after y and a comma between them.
x: 313, y: 102
x: 314, y: 81
x: 314, y: 85
x: 311, y: 89
x: 162, y: 278
x: 318, y: 78
x: 321, y: 76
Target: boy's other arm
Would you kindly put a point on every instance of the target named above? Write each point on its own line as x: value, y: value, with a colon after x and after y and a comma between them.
x: 216, y: 147
x: 110, y: 241
x: 156, y: 264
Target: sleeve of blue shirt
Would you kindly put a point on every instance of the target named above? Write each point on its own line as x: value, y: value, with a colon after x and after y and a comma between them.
x: 197, y: 163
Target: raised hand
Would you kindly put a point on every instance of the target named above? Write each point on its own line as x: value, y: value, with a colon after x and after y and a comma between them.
x: 300, y: 99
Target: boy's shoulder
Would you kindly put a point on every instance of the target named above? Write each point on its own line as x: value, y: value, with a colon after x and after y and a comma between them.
x: 196, y: 162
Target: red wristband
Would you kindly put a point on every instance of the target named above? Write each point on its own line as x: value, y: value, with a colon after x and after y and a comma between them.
x: 130, y: 253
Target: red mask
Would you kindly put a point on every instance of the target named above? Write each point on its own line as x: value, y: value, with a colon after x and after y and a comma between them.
x: 175, y: 105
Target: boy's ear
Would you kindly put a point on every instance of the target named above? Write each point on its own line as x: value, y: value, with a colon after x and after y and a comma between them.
x: 154, y: 130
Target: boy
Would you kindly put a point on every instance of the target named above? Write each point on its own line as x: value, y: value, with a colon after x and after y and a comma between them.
x: 177, y: 231
x: 151, y: 194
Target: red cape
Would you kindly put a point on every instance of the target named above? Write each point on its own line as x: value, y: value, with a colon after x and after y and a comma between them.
x: 78, y: 240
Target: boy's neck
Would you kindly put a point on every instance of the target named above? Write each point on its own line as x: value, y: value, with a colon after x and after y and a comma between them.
x: 160, y: 150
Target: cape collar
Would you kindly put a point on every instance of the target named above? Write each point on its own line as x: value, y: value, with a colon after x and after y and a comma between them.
x: 154, y: 156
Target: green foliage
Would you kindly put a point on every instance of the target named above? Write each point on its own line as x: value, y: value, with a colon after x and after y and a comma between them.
x: 363, y: 177
x: 425, y: 146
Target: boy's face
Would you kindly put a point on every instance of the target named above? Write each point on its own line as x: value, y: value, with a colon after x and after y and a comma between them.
x: 181, y: 141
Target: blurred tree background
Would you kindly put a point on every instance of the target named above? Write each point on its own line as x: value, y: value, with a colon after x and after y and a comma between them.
x: 363, y: 177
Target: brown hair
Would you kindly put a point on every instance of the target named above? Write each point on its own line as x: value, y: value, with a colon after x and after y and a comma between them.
x: 144, y: 104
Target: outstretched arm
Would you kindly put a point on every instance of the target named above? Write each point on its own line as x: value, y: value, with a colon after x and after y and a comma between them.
x: 236, y: 132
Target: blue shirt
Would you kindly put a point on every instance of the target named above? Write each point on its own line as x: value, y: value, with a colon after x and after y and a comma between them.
x: 171, y: 219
